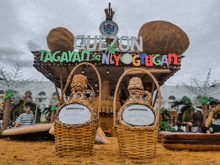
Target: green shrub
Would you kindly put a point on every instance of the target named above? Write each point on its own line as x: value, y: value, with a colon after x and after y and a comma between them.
x: 163, y: 126
x: 44, y: 121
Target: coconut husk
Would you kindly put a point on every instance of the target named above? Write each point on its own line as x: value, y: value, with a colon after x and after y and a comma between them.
x: 79, y: 81
x: 60, y: 39
x: 160, y: 37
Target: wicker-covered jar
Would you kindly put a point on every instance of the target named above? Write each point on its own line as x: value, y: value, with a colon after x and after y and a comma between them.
x: 137, y: 123
x: 77, y: 121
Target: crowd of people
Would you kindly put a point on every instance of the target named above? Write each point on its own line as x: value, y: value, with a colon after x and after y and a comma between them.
x: 212, y: 124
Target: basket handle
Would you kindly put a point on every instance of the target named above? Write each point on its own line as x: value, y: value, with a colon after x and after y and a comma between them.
x: 71, y: 75
x: 92, y: 90
x: 117, y: 86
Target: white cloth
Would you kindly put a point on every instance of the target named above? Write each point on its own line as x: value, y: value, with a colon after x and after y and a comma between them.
x: 183, y: 128
x: 176, y: 128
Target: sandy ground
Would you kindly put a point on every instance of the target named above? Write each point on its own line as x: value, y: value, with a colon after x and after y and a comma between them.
x: 43, y: 153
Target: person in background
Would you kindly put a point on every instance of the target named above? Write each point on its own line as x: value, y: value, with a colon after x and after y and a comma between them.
x: 25, y: 118
x: 179, y: 128
x: 1, y: 121
x: 213, y: 121
x: 189, y: 126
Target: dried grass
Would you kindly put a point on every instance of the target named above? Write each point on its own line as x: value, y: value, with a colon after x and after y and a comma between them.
x: 43, y: 153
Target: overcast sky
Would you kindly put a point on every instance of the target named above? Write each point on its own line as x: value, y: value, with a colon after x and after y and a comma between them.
x: 25, y: 24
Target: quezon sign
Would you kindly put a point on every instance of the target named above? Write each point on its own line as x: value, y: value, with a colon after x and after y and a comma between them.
x: 74, y: 114
x: 109, y: 58
x: 138, y: 115
x: 124, y: 43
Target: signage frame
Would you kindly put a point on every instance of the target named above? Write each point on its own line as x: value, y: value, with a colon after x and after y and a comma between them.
x: 126, y: 109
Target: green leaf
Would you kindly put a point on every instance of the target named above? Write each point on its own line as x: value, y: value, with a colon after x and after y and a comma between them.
x: 203, y: 100
x: 114, y: 46
x: 108, y: 48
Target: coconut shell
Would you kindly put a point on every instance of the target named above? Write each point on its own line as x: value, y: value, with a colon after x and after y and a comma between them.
x: 160, y: 37
x: 60, y: 39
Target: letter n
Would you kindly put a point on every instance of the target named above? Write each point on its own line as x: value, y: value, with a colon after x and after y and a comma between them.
x: 105, y: 59
x: 175, y: 58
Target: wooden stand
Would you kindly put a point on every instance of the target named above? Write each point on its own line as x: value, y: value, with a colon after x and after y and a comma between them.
x: 191, y: 141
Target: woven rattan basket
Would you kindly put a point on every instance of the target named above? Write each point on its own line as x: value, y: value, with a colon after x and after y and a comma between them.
x: 77, y: 140
x: 137, y: 141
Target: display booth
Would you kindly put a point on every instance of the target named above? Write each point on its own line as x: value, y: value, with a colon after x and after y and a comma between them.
x: 155, y: 54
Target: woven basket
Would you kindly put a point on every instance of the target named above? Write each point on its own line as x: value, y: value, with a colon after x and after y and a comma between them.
x: 77, y: 140
x: 138, y: 142
x: 74, y: 141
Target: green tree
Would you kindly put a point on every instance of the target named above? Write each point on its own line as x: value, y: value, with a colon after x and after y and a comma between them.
x: 165, y: 114
x: 10, y: 81
x: 47, y: 111
x: 185, y: 106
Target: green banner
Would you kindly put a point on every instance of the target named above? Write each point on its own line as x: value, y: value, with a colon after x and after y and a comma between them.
x: 53, y: 108
x: 204, y: 100
x: 9, y: 94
